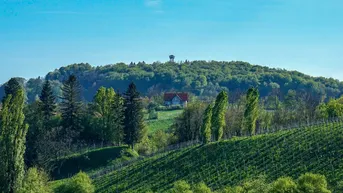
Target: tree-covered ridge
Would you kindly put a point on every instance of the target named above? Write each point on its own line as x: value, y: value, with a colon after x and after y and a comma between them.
x: 203, y: 78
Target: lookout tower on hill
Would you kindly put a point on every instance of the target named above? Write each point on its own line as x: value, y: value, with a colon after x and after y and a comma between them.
x: 172, y: 58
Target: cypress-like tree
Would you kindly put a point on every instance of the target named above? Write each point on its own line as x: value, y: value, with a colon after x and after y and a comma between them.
x: 206, y: 127
x: 117, y: 118
x: 218, y: 115
x: 134, y: 119
x: 47, y: 104
x: 12, y: 141
x: 251, y: 112
x: 71, y: 107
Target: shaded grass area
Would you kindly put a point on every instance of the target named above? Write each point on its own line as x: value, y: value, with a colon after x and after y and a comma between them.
x: 317, y: 149
x: 87, y: 162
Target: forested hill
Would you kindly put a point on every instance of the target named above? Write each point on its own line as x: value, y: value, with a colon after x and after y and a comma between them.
x: 203, y: 78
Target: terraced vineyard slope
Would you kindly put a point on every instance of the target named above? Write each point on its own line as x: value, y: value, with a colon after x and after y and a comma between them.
x: 317, y: 149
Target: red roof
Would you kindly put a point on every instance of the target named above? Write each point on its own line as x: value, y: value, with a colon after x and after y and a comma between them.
x: 169, y: 96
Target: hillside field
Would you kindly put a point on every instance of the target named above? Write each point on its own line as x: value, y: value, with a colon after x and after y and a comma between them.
x: 164, y: 121
x: 316, y: 149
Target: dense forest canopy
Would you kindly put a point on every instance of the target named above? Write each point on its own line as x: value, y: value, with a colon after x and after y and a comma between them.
x: 202, y: 78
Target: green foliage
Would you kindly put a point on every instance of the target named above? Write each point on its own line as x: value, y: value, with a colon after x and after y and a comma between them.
x: 11, y: 87
x: 126, y: 154
x: 12, y: 141
x: 108, y: 116
x: 236, y: 189
x: 218, y: 115
x: 207, y: 78
x: 188, y: 125
x: 284, y: 185
x: 134, y: 129
x: 71, y: 108
x: 161, y: 139
x: 206, y: 125
x: 258, y: 185
x: 35, y: 181
x: 339, y: 187
x: 153, y: 114
x: 80, y: 183
x: 251, y: 112
x: 47, y: 105
x: 201, y: 188
x: 181, y: 187
x: 312, y: 183
x: 334, y: 108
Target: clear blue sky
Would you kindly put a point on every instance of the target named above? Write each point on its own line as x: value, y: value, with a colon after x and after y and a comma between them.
x: 37, y: 36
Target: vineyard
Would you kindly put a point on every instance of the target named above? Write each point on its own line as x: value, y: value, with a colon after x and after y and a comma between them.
x: 317, y: 149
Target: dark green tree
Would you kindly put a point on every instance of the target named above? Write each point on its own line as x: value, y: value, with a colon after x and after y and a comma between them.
x: 48, y: 103
x: 71, y: 107
x: 218, y: 115
x: 11, y: 87
x: 206, y: 126
x: 117, y: 119
x: 251, y: 112
x: 39, y: 115
x: 12, y: 140
x: 134, y: 119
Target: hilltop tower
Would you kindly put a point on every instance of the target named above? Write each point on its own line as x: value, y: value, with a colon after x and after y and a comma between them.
x: 172, y: 58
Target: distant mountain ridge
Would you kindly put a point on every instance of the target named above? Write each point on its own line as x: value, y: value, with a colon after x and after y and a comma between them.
x: 202, y: 78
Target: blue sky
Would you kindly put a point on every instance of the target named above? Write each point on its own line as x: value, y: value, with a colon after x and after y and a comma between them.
x: 37, y: 36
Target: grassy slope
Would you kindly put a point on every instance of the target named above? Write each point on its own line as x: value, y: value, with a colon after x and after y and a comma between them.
x: 314, y: 149
x: 164, y: 121
x: 90, y: 161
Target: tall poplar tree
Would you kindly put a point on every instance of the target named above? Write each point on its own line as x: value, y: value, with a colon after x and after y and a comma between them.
x: 12, y: 140
x: 71, y: 107
x: 134, y: 119
x: 218, y: 115
x: 251, y: 112
x: 206, y: 127
x: 117, y: 119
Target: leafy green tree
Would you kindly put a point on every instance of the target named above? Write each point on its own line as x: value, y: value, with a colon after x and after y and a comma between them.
x: 218, y: 115
x: 201, y: 188
x: 188, y: 125
x: 312, y: 183
x: 181, y: 186
x: 103, y: 101
x: 339, y: 187
x: 12, y: 141
x: 80, y: 183
x: 251, y: 112
x: 206, y: 126
x: 71, y: 108
x: 284, y: 185
x: 48, y: 104
x: 134, y: 118
x: 258, y: 185
x: 236, y: 189
x: 35, y: 181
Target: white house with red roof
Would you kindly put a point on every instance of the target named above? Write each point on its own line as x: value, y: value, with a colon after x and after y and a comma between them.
x: 174, y: 98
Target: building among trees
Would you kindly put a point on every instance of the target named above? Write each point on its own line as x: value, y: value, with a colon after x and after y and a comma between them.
x: 176, y: 99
